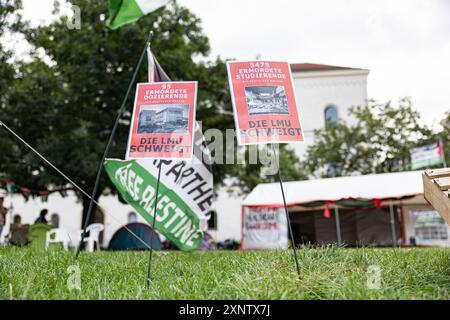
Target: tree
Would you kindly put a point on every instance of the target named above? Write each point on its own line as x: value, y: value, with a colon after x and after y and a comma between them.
x: 379, y: 141
x: 64, y: 102
x: 444, y: 135
x: 8, y: 10
x: 66, y: 108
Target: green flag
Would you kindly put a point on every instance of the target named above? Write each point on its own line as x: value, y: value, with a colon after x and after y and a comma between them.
x: 177, y: 216
x: 427, y: 156
x: 122, y: 12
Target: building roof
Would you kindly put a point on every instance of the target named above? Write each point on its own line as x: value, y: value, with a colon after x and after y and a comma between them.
x: 306, y: 67
x: 366, y: 187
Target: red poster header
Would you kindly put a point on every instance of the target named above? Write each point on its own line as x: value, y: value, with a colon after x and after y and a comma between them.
x: 265, y: 107
x: 163, y: 121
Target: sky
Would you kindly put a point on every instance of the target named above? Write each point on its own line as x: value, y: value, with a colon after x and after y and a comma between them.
x: 404, y: 43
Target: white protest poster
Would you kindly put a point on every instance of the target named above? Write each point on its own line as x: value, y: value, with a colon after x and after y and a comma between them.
x: 264, y: 228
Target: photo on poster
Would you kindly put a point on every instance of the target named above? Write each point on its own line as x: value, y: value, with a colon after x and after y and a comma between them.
x: 266, y: 100
x: 163, y: 119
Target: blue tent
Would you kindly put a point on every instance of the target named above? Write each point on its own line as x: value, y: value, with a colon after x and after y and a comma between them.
x: 124, y: 240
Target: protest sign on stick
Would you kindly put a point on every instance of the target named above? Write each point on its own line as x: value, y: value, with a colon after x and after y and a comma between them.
x: 265, y: 110
x: 163, y: 121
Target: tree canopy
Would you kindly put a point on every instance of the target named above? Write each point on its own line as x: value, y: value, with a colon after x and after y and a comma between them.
x: 65, y: 99
x: 378, y: 141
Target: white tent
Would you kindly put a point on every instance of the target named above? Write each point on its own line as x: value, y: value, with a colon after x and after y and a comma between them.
x: 366, y: 187
x: 264, y: 220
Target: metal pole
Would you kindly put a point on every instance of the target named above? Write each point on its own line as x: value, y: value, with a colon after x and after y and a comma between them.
x: 338, y: 224
x: 153, y: 227
x: 444, y: 160
x: 287, y: 214
x: 108, y: 145
x: 392, y: 219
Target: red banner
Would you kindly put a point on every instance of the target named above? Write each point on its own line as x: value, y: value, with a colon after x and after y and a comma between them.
x: 265, y: 107
x: 163, y: 121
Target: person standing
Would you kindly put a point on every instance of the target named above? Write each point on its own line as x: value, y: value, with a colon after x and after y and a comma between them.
x: 42, y: 217
x: 3, y: 210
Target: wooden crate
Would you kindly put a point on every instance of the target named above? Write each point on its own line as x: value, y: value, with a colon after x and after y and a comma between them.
x: 436, y: 187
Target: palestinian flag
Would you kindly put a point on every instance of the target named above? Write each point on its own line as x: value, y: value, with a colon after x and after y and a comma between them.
x: 122, y: 12
x: 427, y: 156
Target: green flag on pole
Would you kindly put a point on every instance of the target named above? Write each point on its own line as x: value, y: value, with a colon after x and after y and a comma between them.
x: 122, y: 12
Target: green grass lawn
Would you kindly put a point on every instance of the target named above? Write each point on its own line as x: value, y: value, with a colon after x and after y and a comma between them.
x: 327, y: 273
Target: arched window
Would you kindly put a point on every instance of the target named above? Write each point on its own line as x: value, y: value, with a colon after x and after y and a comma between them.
x: 54, y: 220
x: 17, y: 219
x: 132, y: 217
x: 331, y: 115
x: 212, y: 222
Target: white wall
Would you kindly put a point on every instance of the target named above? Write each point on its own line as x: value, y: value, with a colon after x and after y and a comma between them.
x: 229, y: 216
x: 317, y: 90
x: 69, y: 210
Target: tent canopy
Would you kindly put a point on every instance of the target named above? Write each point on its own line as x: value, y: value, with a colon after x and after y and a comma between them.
x: 367, y: 187
x: 124, y: 240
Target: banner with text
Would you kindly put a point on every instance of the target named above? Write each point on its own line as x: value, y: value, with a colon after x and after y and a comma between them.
x: 264, y: 228
x: 184, y: 200
x: 264, y: 102
x: 163, y: 121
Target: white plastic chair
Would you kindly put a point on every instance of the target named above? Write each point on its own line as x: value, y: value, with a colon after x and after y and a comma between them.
x: 94, y: 235
x: 57, y: 236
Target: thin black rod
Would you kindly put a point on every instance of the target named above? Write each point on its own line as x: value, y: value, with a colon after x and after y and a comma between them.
x: 444, y: 160
x: 287, y: 212
x: 392, y: 220
x: 111, y: 137
x: 153, y: 227
x: 338, y: 224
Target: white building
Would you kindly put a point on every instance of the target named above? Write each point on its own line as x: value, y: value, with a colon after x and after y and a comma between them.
x: 169, y: 114
x: 322, y: 91
x: 68, y: 211
x: 326, y: 92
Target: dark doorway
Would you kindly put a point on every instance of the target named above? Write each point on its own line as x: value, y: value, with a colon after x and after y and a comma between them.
x: 303, y: 228
x: 359, y: 226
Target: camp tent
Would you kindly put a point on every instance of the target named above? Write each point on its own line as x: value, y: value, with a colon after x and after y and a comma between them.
x: 123, y: 239
x: 366, y: 209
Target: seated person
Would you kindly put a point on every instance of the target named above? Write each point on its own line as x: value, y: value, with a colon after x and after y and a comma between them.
x: 42, y: 218
x: 18, y: 232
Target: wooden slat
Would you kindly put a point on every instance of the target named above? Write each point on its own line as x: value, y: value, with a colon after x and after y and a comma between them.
x: 436, y: 197
x: 437, y: 173
x: 443, y: 183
